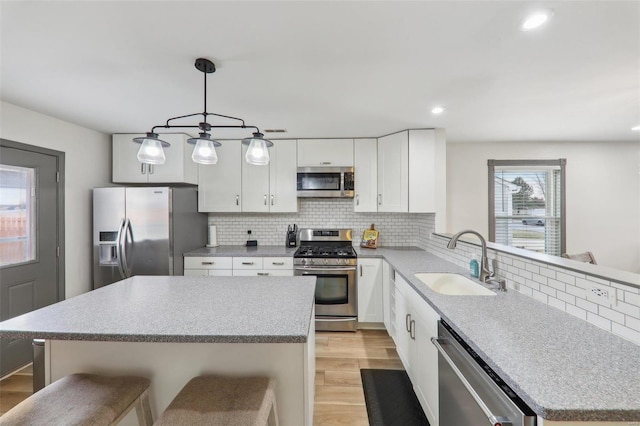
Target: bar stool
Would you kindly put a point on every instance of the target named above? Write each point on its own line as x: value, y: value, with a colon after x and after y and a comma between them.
x: 219, y: 400
x: 83, y: 399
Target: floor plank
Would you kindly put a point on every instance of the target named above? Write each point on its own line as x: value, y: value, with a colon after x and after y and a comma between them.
x: 340, y: 415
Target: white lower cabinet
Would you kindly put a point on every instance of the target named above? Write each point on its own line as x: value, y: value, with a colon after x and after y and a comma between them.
x: 416, y: 323
x: 389, y: 299
x: 370, y: 290
x: 238, y: 266
x: 208, y: 266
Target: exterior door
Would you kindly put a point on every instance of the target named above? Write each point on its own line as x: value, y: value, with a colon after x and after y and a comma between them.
x: 29, y: 241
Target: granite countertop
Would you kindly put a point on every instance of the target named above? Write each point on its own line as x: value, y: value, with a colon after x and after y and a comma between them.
x: 564, y: 368
x: 228, y: 251
x: 178, y: 309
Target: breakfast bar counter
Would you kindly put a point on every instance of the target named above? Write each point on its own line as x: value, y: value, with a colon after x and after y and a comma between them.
x: 171, y: 329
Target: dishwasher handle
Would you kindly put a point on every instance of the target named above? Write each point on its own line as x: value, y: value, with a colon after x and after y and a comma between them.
x: 493, y: 419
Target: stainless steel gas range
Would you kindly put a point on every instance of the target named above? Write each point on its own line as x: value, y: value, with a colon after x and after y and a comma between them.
x: 328, y: 254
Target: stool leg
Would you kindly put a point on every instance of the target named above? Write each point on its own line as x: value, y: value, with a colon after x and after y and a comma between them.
x: 143, y: 410
x: 273, y: 415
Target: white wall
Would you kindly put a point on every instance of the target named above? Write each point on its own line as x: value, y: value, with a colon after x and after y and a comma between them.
x: 603, y: 193
x: 81, y: 174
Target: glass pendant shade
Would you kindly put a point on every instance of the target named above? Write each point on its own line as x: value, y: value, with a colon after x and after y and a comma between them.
x: 204, y: 151
x: 151, y: 151
x: 258, y: 150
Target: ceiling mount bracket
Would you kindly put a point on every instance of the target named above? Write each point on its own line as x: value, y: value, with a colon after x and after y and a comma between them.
x: 205, y: 66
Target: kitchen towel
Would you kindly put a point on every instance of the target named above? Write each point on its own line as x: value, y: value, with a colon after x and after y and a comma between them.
x: 213, y: 237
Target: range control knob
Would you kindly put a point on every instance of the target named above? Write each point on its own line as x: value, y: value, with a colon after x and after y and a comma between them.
x: 312, y: 261
x: 303, y: 261
x: 326, y: 261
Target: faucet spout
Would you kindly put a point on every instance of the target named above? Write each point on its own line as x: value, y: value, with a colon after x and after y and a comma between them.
x: 485, y: 273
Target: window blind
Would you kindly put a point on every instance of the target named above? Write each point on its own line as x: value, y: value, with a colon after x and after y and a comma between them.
x: 526, y: 205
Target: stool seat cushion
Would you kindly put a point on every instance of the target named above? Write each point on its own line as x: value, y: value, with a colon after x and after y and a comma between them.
x: 219, y: 400
x: 78, y: 399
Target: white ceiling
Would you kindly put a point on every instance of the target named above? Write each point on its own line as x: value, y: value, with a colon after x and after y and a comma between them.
x: 331, y: 69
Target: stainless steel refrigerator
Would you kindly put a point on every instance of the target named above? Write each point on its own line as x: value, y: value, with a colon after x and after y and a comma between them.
x: 144, y: 231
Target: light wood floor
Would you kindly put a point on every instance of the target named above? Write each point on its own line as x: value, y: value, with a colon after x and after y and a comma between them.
x: 15, y: 388
x: 339, y: 357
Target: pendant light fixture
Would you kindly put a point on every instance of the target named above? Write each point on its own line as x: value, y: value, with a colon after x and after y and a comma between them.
x: 204, y: 152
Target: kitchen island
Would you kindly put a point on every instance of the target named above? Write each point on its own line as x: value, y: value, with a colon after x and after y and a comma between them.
x: 171, y: 329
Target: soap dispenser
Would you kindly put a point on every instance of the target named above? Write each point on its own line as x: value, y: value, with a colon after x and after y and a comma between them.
x: 474, y: 267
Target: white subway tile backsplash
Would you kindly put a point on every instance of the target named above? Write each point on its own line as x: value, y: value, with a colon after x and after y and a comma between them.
x: 566, y: 297
x: 633, y: 323
x: 576, y: 291
x: 627, y: 333
x: 557, y: 303
x: 565, y: 278
x: 630, y: 297
x: 589, y: 306
x: 611, y: 314
x: 532, y: 268
x: 556, y: 284
x: 598, y: 321
x: 576, y: 312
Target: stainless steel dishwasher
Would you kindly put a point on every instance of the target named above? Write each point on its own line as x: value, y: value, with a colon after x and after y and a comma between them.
x: 471, y: 393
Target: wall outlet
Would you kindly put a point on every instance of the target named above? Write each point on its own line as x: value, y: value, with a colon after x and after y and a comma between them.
x: 602, y: 295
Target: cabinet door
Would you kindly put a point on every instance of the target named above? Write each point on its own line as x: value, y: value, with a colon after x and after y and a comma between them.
x: 365, y: 157
x: 125, y: 165
x: 403, y: 339
x: 219, y: 185
x: 370, y: 290
x: 255, y: 186
x: 393, y: 173
x: 422, y: 171
x: 178, y: 167
x: 425, y: 361
x: 325, y: 152
x: 283, y: 197
x: 386, y: 299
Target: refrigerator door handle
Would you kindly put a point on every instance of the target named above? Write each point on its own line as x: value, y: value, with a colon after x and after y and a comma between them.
x: 119, y: 248
x: 126, y: 231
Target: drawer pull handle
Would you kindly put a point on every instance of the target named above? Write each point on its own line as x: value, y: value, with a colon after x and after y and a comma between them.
x: 277, y: 263
x: 208, y: 263
x: 263, y: 274
x: 247, y: 263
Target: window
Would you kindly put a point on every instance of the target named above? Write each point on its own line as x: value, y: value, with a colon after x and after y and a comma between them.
x: 527, y: 204
x: 17, y: 217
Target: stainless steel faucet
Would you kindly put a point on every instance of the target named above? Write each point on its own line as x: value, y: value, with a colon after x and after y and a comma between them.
x: 485, y: 273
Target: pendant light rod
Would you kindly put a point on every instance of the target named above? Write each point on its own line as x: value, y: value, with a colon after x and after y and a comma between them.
x: 151, y: 150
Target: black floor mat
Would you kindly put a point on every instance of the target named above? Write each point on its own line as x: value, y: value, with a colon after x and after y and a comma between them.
x: 390, y: 399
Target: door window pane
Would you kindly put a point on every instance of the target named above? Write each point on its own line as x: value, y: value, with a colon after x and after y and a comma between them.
x: 17, y: 215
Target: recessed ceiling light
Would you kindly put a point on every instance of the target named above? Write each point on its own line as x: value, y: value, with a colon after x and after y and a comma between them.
x: 535, y: 20
x: 437, y: 110
x: 637, y: 128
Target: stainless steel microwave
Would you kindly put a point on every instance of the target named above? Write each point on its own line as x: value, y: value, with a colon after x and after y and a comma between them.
x: 325, y: 182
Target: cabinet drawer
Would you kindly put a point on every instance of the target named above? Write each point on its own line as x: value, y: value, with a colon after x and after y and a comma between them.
x: 263, y: 272
x: 195, y: 272
x: 277, y: 263
x: 247, y: 263
x: 220, y: 272
x: 208, y: 262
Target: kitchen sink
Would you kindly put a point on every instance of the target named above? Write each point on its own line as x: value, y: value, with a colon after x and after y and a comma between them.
x: 453, y: 284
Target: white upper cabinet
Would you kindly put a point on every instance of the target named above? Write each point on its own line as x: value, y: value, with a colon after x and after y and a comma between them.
x: 233, y: 185
x: 271, y: 188
x: 283, y: 197
x: 325, y: 153
x: 393, y: 173
x: 365, y: 158
x: 412, y: 173
x: 220, y: 184
x: 178, y: 168
x: 255, y: 185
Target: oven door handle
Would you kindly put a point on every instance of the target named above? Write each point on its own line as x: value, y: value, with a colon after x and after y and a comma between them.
x: 331, y: 269
x: 493, y: 419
